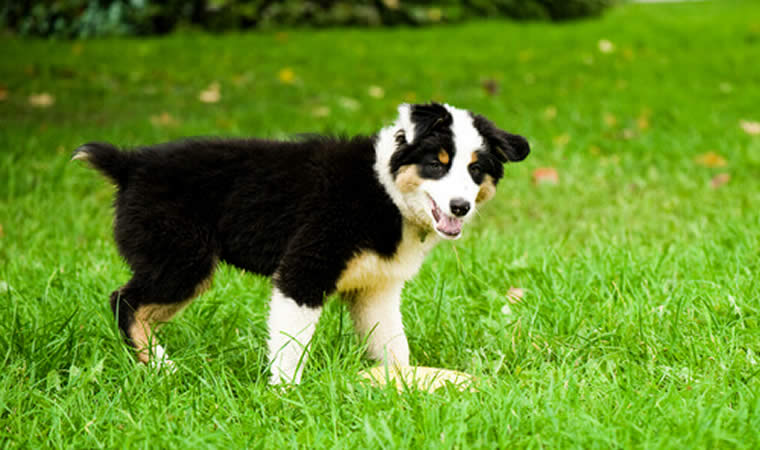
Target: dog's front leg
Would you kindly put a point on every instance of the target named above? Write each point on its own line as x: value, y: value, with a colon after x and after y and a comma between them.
x: 377, y: 316
x: 291, y: 327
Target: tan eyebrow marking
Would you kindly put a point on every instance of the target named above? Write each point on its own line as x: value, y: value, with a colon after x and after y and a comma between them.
x: 443, y: 157
x: 474, y: 157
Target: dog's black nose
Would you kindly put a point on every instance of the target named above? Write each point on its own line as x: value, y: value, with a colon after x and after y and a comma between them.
x: 459, y: 206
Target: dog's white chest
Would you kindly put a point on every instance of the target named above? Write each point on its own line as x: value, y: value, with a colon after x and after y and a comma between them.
x: 369, y: 270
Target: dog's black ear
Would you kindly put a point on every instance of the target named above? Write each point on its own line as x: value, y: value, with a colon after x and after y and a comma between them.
x: 428, y: 118
x: 505, y: 146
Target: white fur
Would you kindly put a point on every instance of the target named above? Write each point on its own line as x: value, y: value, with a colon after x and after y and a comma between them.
x: 374, y: 284
x: 291, y: 328
x: 377, y: 316
x: 160, y: 360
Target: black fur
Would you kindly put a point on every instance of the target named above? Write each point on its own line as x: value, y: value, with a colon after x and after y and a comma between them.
x: 507, y: 147
x: 432, y: 133
x: 273, y: 208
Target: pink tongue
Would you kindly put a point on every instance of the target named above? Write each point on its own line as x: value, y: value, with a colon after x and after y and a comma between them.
x: 449, y: 225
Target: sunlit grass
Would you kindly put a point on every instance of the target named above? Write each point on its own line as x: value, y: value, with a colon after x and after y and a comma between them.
x: 639, y: 322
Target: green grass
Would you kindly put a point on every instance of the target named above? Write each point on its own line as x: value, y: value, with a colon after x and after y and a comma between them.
x: 640, y: 322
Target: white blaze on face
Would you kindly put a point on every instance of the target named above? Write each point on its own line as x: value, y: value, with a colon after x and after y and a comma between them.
x: 457, y: 184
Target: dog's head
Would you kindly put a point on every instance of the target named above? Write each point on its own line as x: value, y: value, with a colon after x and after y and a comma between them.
x: 439, y: 163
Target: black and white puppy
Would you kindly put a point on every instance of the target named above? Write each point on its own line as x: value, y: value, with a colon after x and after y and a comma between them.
x: 320, y: 215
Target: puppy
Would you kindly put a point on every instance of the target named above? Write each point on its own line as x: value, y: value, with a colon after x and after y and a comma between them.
x: 319, y: 215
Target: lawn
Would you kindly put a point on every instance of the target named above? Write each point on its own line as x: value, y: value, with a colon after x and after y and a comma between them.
x: 639, y: 325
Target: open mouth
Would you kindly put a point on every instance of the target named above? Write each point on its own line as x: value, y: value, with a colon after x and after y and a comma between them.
x: 449, y: 227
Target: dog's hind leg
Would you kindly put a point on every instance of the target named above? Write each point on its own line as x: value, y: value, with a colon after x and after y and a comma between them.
x: 146, y: 302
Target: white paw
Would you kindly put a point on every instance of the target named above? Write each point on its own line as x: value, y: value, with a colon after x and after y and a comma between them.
x: 161, y: 362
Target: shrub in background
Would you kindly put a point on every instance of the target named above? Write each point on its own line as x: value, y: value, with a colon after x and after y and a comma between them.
x: 87, y: 18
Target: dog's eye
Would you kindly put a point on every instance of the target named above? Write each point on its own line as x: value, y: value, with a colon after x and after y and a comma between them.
x: 434, y: 169
x: 476, y: 173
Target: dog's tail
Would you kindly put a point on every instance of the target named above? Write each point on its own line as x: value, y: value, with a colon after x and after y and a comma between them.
x: 107, y: 159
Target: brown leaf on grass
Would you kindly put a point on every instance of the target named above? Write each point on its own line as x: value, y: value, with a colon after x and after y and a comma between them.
x: 719, y: 180
x: 320, y: 111
x: 286, y: 76
x: 410, y: 97
x: 41, y: 100
x: 2, y: 233
x: 561, y: 140
x: 642, y: 122
x: 545, y: 175
x: 3, y: 93
x: 491, y: 86
x: 750, y: 127
x: 163, y: 120
x: 550, y: 112
x: 605, y: 46
x: 628, y: 134
x: 376, y: 92
x: 515, y: 295
x: 281, y: 36
x: 349, y: 103
x: 211, y: 94
x: 711, y: 160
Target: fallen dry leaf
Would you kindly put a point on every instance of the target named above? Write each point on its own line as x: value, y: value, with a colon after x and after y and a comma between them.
x: 211, y: 94
x: 320, y: 111
x: 376, y: 92
x: 3, y: 93
x: 628, y: 134
x: 561, y: 140
x: 642, y: 122
x: 349, y: 103
x: 491, y: 86
x: 606, y: 46
x: 410, y: 97
x: 281, y: 36
x: 41, y: 100
x: 545, y: 175
x: 515, y: 295
x: 719, y: 180
x: 2, y: 233
x: 710, y: 159
x: 163, y: 120
x: 750, y: 127
x: 286, y: 76
x: 550, y: 112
